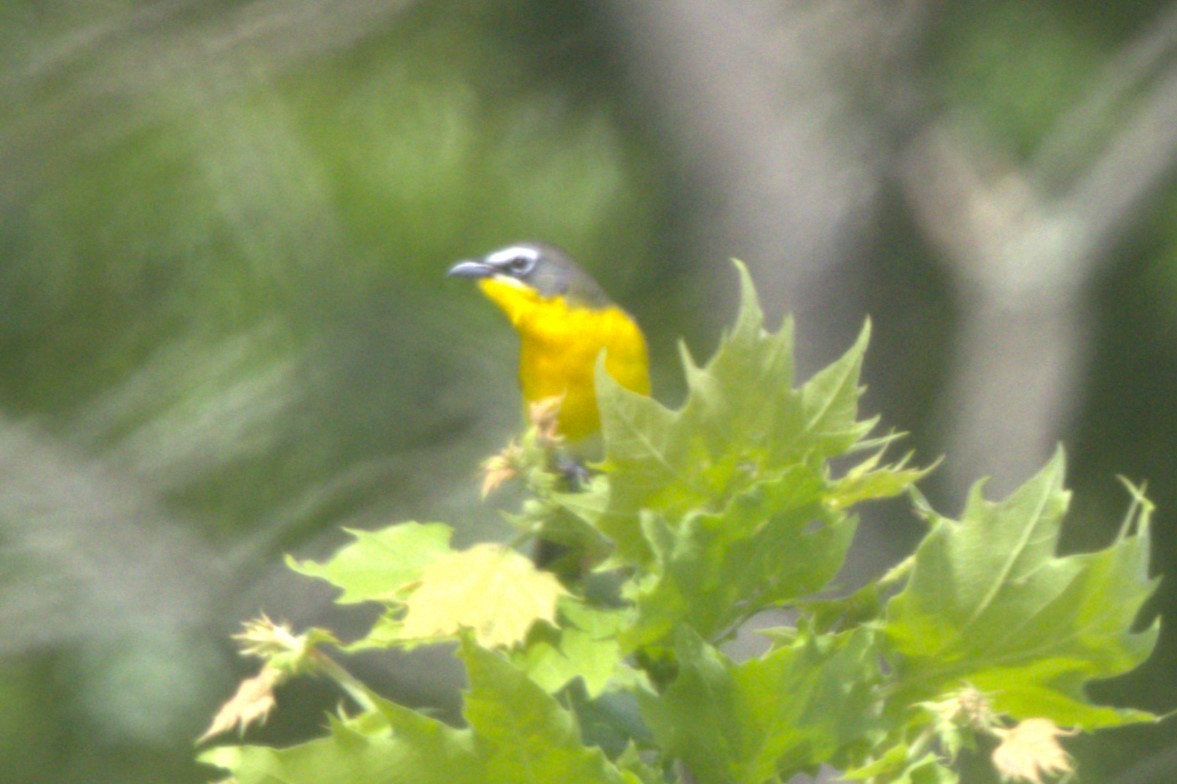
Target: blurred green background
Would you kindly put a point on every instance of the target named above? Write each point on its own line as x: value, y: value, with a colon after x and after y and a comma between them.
x: 225, y: 330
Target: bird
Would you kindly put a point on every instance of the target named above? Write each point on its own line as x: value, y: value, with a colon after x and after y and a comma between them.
x: 565, y: 322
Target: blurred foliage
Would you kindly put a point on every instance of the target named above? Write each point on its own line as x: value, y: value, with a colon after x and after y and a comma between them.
x: 223, y: 232
x: 1018, y: 66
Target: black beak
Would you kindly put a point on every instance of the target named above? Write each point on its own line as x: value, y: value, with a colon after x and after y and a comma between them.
x: 471, y: 269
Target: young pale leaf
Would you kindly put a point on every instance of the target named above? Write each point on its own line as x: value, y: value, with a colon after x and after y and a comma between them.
x: 378, y: 564
x: 990, y: 604
x: 521, y: 733
x: 774, y: 542
x: 490, y: 589
x: 767, y: 718
x: 1031, y: 750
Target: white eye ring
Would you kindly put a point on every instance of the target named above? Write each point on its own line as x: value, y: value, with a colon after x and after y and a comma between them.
x: 517, y: 260
x: 520, y: 265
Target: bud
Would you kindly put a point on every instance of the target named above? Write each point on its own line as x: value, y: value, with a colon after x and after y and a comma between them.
x: 544, y: 416
x: 501, y: 468
x: 267, y: 639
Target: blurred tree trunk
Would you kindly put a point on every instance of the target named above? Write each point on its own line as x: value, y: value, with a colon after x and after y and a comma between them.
x: 761, y: 103
x: 1025, y: 256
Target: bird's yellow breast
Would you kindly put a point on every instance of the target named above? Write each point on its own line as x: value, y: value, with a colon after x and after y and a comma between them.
x: 560, y: 343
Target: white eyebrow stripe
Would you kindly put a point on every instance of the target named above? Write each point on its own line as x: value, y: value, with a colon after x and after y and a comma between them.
x: 515, y: 251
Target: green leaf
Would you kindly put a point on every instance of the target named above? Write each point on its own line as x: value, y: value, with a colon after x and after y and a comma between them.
x: 727, y: 504
x: 929, y: 769
x: 774, y: 542
x: 517, y: 735
x: 586, y: 645
x: 523, y: 735
x: 829, y: 402
x: 744, y: 395
x: 767, y: 718
x: 869, y: 481
x: 844, y: 612
x: 650, y: 463
x: 742, y: 423
x: 379, y: 564
x: 397, y: 746
x: 988, y: 603
x: 895, y: 768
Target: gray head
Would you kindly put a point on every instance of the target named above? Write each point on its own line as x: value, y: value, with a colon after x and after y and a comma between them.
x: 546, y: 268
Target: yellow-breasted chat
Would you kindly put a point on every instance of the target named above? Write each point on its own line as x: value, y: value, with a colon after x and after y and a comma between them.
x: 565, y: 321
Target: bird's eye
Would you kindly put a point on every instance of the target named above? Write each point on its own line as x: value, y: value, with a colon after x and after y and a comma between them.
x: 520, y: 265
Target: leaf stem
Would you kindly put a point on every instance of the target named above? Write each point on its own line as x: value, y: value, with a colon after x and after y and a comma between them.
x: 350, y: 684
x: 898, y: 572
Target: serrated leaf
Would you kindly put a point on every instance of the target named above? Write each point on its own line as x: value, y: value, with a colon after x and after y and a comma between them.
x: 829, y: 402
x: 774, y: 542
x: 586, y: 645
x: 490, y: 589
x: 989, y: 603
x: 405, y: 748
x: 844, y: 612
x: 767, y: 718
x: 378, y: 564
x: 523, y: 735
x: 741, y: 423
x: 745, y: 392
x: 869, y: 481
x: 612, y: 722
x: 649, y: 463
x: 517, y: 735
